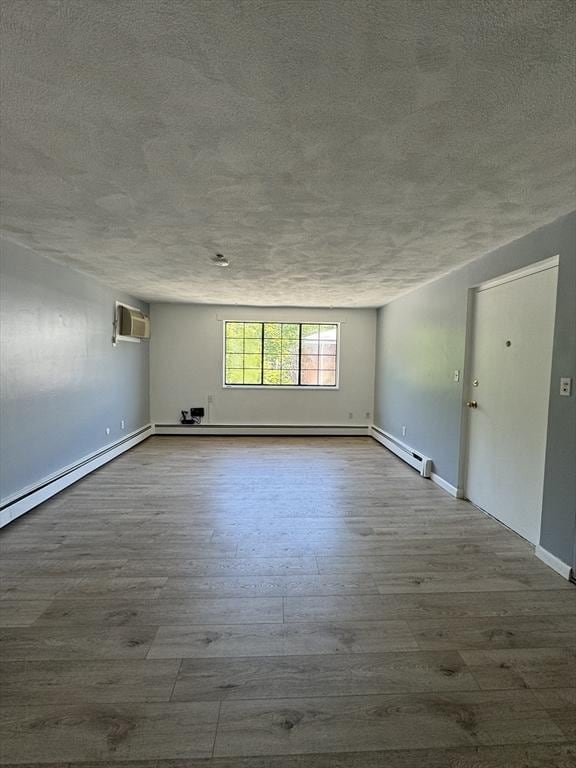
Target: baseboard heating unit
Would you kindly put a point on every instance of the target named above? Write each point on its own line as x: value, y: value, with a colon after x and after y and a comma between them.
x: 422, y: 463
x: 30, y: 497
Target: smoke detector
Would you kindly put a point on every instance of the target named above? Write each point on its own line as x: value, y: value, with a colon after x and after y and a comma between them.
x: 220, y: 260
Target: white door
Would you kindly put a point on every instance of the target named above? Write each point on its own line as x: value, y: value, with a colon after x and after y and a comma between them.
x: 509, y: 387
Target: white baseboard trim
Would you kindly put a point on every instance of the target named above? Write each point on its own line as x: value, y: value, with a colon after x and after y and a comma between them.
x: 403, y: 451
x: 264, y: 429
x: 552, y: 561
x: 31, y: 497
x: 458, y: 493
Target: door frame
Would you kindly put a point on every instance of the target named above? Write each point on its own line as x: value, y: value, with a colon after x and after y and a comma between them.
x: 551, y: 262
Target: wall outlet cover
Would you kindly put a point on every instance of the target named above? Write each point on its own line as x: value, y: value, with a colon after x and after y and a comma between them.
x: 565, y: 386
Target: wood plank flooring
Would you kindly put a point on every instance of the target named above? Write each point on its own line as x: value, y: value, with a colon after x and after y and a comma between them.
x: 278, y: 603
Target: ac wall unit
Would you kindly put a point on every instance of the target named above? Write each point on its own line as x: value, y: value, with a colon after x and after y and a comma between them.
x: 133, y: 323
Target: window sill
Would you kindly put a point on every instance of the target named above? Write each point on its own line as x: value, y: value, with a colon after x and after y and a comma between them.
x: 310, y: 388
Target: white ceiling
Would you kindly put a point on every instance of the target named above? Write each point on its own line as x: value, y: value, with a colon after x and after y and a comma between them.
x: 339, y: 152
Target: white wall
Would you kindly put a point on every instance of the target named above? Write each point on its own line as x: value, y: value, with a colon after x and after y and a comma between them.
x: 186, y: 367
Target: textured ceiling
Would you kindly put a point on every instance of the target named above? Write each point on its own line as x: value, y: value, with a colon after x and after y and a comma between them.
x: 339, y: 152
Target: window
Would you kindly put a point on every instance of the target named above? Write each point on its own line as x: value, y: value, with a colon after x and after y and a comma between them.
x: 281, y: 354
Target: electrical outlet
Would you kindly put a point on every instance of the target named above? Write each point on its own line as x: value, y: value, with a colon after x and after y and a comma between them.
x: 565, y: 386
x: 403, y: 430
x: 123, y: 424
x: 107, y: 430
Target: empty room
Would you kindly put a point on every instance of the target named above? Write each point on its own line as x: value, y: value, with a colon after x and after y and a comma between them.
x: 287, y: 384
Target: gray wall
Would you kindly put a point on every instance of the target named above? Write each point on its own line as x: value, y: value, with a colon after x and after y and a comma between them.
x: 421, y: 341
x: 62, y: 383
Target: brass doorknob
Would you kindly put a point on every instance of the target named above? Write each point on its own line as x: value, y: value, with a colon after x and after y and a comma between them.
x: 472, y: 404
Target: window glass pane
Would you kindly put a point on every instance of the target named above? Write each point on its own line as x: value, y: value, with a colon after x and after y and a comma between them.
x: 289, y: 377
x: 234, y: 330
x: 290, y: 330
x: 272, y: 330
x: 290, y: 362
x: 327, y: 362
x: 252, y: 376
x: 289, y: 346
x: 309, y: 346
x: 235, y: 345
x: 272, y: 377
x: 252, y: 330
x: 272, y: 362
x: 327, y: 347
x: 328, y: 332
x: 327, y: 378
x: 234, y: 361
x: 252, y: 361
x: 310, y: 330
x: 252, y: 346
x: 309, y: 377
x: 234, y: 376
x: 272, y: 346
x: 309, y: 362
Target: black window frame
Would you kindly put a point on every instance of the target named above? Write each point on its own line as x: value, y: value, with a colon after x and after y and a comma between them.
x: 299, y: 384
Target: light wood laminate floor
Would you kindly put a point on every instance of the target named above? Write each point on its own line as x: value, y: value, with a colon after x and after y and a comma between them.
x: 279, y: 603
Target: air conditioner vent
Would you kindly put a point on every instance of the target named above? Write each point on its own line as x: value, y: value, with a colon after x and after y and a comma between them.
x: 132, y: 323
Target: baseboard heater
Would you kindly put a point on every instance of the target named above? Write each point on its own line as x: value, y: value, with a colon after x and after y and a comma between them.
x: 13, y: 507
x: 422, y: 463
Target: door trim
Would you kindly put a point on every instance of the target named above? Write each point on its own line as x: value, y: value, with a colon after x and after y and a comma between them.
x: 551, y: 262
x: 517, y: 274
x: 466, y: 381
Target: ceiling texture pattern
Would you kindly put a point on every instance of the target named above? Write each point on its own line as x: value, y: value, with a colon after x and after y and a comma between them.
x: 338, y: 152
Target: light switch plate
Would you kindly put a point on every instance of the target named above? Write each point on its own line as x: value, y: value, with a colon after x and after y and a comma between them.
x: 565, y: 386
x: 456, y: 375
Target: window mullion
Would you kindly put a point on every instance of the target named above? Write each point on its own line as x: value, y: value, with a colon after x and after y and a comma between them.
x: 243, y: 353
